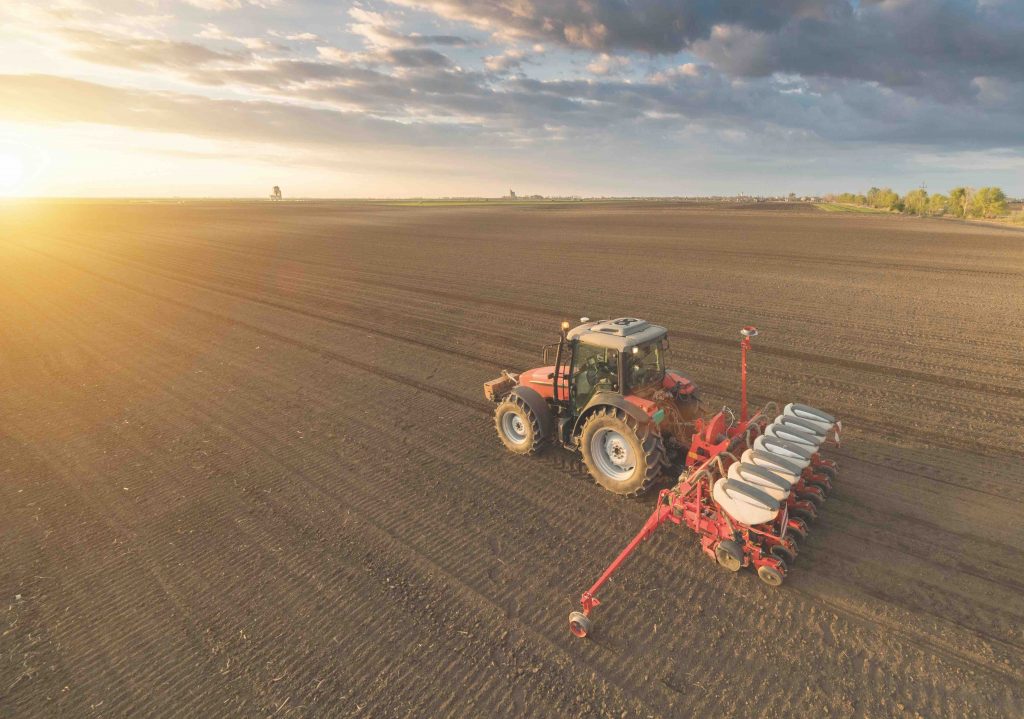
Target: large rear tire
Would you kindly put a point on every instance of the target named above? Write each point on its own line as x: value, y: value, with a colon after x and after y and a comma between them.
x: 622, y: 455
x: 518, y: 427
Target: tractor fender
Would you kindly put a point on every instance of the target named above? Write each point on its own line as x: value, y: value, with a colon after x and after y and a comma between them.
x: 606, y: 399
x: 539, y: 406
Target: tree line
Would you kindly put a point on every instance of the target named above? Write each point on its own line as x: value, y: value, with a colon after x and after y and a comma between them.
x: 960, y: 202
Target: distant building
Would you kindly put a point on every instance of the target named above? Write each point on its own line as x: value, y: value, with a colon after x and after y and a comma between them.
x: 276, y: 194
x: 511, y: 194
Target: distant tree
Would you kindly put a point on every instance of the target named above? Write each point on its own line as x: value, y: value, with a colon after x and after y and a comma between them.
x: 884, y: 199
x: 850, y: 199
x: 916, y: 202
x: 988, y: 202
x: 938, y: 204
x: 961, y: 202
x: 960, y: 199
x: 888, y: 200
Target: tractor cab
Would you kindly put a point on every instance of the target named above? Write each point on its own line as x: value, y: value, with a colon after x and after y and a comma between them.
x: 619, y: 356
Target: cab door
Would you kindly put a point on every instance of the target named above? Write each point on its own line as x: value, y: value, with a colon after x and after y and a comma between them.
x: 594, y: 369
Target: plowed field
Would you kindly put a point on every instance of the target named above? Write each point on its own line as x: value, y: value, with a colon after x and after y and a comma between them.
x: 246, y: 468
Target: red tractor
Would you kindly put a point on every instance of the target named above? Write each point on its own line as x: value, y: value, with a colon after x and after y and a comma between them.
x: 609, y: 396
x: 748, y: 486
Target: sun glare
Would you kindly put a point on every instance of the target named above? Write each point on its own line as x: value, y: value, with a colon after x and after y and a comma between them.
x: 12, y: 172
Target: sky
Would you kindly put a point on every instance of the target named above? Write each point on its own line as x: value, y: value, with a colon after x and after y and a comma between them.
x: 431, y: 98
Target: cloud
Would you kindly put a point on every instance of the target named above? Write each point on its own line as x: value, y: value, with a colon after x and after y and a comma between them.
x: 421, y: 85
x: 917, y: 47
x: 687, y: 69
x: 212, y: 32
x: 337, y: 54
x: 933, y: 47
x: 415, y: 58
x: 394, y: 57
x: 49, y: 98
x: 605, y: 64
x: 789, y: 76
x: 223, y: 5
x: 296, y: 36
x: 214, y: 5
x: 131, y: 52
x: 379, y: 30
x: 509, y: 60
x: 653, y: 26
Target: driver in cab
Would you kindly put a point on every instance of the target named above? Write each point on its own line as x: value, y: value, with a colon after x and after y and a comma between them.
x: 598, y: 372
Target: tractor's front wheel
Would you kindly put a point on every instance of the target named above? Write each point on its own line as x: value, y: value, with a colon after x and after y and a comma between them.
x: 622, y: 455
x: 517, y: 425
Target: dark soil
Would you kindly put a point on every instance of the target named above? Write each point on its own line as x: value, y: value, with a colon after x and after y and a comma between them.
x: 246, y: 468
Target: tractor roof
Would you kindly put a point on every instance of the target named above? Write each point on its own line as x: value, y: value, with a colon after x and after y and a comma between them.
x: 618, y: 334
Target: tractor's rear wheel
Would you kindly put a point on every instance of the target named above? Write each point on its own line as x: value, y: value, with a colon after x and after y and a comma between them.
x: 622, y: 455
x: 517, y: 425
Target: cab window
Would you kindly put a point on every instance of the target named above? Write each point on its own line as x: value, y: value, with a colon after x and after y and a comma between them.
x: 595, y: 369
x: 645, y: 366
